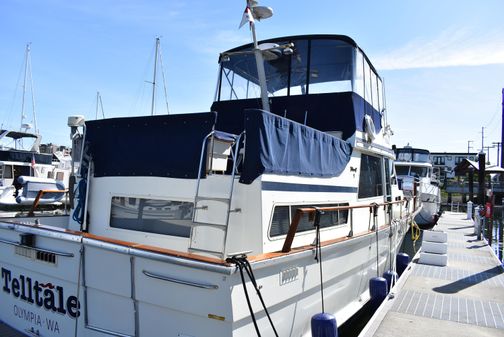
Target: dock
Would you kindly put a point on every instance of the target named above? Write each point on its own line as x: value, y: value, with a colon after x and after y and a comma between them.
x: 464, y: 298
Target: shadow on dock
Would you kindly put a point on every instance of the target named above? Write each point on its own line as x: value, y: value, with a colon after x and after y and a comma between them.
x: 469, y: 281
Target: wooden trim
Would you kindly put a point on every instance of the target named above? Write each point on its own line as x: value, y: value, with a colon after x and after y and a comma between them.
x: 217, y: 261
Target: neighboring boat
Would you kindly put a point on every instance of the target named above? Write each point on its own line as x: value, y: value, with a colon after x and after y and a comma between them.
x: 181, y: 221
x: 24, y: 171
x: 414, y: 165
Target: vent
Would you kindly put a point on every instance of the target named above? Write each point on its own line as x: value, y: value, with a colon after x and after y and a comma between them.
x: 46, y: 257
x: 35, y: 254
x: 26, y: 252
x: 289, y: 275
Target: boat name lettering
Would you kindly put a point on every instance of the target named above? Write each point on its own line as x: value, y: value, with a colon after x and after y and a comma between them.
x: 46, y: 295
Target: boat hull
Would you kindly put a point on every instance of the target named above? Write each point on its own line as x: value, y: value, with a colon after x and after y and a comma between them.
x: 428, y: 215
x: 101, y: 288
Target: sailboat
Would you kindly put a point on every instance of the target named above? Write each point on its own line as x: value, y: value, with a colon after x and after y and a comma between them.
x: 246, y: 220
x: 24, y: 171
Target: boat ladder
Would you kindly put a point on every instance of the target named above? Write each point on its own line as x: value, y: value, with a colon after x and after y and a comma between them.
x: 212, y: 211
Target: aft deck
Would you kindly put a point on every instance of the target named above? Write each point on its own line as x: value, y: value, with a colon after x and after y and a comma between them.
x: 465, y: 298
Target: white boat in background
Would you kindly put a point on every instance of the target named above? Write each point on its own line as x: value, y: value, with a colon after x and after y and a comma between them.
x: 181, y: 221
x: 24, y: 170
x: 414, y: 166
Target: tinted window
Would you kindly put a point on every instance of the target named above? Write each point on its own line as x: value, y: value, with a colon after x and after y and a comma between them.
x: 151, y: 215
x: 370, y: 181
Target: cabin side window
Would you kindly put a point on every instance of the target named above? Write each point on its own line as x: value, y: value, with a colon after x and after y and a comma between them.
x: 7, y: 172
x: 370, y: 181
x: 283, y: 215
x: 166, y: 217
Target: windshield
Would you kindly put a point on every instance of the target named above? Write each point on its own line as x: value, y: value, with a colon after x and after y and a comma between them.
x: 315, y: 66
x: 402, y: 170
x: 416, y: 155
x: 419, y: 171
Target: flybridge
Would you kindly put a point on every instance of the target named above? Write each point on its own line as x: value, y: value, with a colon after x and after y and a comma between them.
x: 44, y: 295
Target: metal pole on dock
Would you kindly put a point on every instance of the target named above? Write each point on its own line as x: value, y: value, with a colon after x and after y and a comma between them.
x: 481, y: 187
x: 502, y: 130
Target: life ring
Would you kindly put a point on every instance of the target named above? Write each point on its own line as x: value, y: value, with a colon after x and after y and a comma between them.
x: 369, y: 128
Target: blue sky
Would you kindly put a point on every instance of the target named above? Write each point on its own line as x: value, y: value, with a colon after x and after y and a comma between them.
x: 442, y: 61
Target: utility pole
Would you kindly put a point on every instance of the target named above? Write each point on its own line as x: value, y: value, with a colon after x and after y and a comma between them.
x: 469, y: 147
x: 498, y: 145
x: 488, y: 153
x: 482, y: 138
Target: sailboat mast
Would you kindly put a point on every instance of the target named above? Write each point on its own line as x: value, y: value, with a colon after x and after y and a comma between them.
x: 154, y: 77
x: 27, y: 51
x: 32, y: 95
x: 97, y: 100
x: 28, y: 72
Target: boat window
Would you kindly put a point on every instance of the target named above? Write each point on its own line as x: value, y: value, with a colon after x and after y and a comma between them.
x: 152, y: 215
x: 7, y: 172
x: 235, y: 86
x: 60, y: 176
x: 359, y: 74
x: 419, y: 171
x: 367, y: 82
x: 402, y: 170
x: 370, y: 181
x: 374, y: 87
x: 381, y: 102
x: 331, y: 70
x: 403, y: 155
x: 388, y: 178
x: 421, y: 157
x: 299, y: 66
x: 283, y: 215
x: 239, y: 78
x: 330, y: 66
x: 281, y: 221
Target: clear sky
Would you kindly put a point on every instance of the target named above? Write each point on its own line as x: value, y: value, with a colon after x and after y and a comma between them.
x: 442, y: 61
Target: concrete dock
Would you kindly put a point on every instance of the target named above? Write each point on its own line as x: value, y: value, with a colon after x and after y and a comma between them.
x: 464, y: 298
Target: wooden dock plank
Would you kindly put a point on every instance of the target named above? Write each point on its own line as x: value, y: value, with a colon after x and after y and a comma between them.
x: 465, y: 298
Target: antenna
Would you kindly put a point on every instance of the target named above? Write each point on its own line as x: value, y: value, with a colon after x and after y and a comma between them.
x: 252, y: 13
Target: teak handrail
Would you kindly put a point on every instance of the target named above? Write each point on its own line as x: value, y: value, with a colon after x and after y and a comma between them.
x: 312, y: 210
x: 39, y: 196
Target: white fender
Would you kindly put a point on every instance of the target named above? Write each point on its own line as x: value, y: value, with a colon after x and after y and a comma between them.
x: 369, y: 128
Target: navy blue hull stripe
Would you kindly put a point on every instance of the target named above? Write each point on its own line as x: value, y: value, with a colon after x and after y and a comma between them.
x: 288, y: 187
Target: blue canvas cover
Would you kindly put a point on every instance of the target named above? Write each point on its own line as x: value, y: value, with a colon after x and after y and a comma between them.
x: 161, y: 146
x: 277, y: 145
